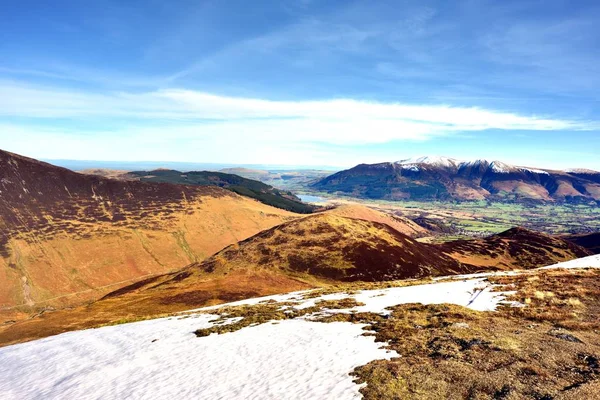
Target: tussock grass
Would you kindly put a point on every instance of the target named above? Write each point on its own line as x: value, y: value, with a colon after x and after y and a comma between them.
x: 266, y: 312
x: 567, y: 299
x: 450, y: 352
x: 546, y: 350
x: 355, y: 287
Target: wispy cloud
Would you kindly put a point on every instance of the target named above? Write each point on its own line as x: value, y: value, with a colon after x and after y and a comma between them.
x: 337, y: 121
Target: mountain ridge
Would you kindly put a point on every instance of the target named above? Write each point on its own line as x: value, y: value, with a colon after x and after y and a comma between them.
x: 260, y: 191
x: 67, y: 237
x: 443, y: 178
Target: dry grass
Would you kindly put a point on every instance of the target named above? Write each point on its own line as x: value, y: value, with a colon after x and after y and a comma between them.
x: 354, y: 287
x: 266, y: 312
x: 160, y: 301
x: 449, y: 352
x: 547, y: 350
x: 567, y: 299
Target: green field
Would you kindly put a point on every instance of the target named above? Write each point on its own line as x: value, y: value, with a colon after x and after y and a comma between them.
x: 479, y: 218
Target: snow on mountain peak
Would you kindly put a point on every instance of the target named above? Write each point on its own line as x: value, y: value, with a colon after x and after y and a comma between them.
x: 581, y: 171
x: 474, y: 163
x: 500, y: 168
x: 430, y: 160
x: 535, y: 171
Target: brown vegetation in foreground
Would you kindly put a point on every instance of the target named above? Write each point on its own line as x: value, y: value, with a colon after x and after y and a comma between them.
x: 321, y: 250
x: 547, y: 350
x: 250, y: 315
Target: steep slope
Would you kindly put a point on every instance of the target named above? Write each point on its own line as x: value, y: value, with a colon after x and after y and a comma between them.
x: 388, y: 181
x: 322, y: 247
x: 247, y: 187
x: 516, y: 248
x: 441, y: 178
x: 68, y: 237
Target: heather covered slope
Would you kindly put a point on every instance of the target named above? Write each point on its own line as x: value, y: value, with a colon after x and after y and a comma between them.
x: 312, y: 251
x: 321, y: 250
x: 318, y: 250
x: 68, y: 237
x: 516, y: 248
x: 335, y: 247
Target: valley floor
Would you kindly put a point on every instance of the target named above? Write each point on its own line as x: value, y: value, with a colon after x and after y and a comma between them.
x: 467, y: 219
x: 319, y: 344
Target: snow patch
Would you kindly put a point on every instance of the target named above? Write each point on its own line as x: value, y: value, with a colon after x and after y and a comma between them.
x: 163, y: 359
x: 500, y: 167
x: 473, y: 293
x: 473, y: 164
x: 584, y: 262
x: 581, y: 171
x: 413, y: 168
x: 535, y: 171
x: 439, y: 161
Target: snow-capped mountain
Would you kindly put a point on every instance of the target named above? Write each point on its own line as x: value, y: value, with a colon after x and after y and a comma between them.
x: 444, y: 178
x: 437, y: 161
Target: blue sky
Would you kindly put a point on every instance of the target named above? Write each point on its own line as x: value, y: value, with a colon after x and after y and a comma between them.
x: 302, y: 82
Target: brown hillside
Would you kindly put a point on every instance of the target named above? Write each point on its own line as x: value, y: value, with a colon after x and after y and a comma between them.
x: 517, y: 248
x: 402, y: 225
x: 335, y: 247
x: 68, y: 237
x: 313, y: 251
x: 317, y: 250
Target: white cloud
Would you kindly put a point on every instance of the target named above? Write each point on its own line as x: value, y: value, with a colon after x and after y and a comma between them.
x: 177, y: 124
x: 334, y: 121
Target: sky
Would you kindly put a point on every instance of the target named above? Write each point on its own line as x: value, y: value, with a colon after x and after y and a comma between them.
x: 305, y: 82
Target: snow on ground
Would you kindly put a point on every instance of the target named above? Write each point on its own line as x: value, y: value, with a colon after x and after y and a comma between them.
x: 473, y: 293
x: 291, y: 359
x: 162, y: 358
x: 584, y: 262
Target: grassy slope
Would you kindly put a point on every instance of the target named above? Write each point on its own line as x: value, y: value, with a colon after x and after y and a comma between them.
x: 318, y: 250
x: 514, y: 248
x: 590, y: 241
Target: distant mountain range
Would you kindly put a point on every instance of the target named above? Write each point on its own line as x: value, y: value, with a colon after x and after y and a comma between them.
x: 443, y: 178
